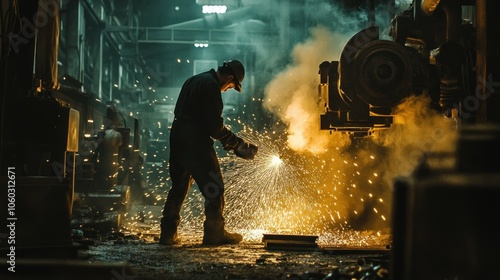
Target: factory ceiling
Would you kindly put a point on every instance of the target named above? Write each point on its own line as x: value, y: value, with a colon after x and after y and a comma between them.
x: 162, y: 34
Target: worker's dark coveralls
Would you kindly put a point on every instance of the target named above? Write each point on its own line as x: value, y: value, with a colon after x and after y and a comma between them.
x: 198, y: 120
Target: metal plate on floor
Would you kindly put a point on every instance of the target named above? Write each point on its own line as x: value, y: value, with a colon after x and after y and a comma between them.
x: 290, y: 242
x: 339, y: 250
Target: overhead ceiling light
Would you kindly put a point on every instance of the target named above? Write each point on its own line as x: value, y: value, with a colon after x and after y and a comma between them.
x: 201, y: 44
x: 214, y: 9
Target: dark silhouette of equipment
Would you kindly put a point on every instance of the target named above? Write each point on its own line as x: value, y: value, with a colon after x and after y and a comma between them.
x: 431, y: 53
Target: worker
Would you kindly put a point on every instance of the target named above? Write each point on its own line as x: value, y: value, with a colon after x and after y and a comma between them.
x: 197, y: 123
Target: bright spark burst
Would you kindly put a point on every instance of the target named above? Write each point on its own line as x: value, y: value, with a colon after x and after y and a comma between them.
x: 282, y: 191
x: 276, y: 160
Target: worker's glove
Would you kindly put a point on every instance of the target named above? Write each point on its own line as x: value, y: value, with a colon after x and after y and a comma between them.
x: 245, y: 150
x: 230, y: 141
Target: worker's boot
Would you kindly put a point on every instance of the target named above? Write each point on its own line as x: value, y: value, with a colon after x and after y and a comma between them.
x: 169, y: 234
x: 215, y: 234
x: 169, y: 238
x: 171, y: 218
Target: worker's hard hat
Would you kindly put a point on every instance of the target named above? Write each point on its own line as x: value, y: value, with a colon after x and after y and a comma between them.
x: 238, y: 72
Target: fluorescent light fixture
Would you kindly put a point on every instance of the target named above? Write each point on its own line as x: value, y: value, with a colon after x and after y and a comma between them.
x: 201, y: 44
x: 214, y: 9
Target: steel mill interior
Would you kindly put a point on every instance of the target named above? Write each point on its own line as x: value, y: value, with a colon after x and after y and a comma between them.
x: 377, y: 124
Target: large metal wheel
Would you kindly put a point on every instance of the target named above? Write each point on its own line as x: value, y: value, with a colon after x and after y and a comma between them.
x: 384, y: 73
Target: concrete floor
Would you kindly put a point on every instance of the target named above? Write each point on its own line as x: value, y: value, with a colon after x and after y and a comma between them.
x: 129, y: 259
x: 134, y: 253
x: 345, y: 253
x: 248, y: 260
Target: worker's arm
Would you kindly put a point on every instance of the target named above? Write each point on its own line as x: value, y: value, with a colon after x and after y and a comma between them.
x: 219, y: 131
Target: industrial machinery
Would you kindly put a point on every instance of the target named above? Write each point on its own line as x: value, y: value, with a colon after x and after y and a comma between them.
x: 442, y: 213
x: 48, y: 119
x: 432, y: 52
x: 448, y: 50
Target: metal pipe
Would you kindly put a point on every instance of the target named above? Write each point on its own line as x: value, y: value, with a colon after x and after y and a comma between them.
x: 482, y: 31
x: 372, y: 13
x: 453, y: 12
x: 215, y: 20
